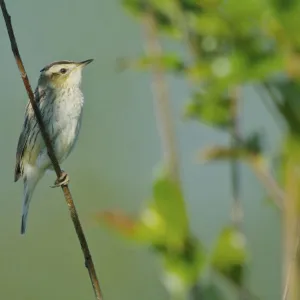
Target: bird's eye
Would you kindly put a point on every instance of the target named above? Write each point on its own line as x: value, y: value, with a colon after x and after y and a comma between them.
x: 63, y: 71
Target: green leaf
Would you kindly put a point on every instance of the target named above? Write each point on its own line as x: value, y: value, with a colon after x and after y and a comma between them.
x: 169, y: 62
x: 210, y: 108
x: 136, y: 7
x: 247, y: 13
x: 148, y: 229
x: 170, y: 206
x: 163, y: 223
x: 184, y: 266
x: 154, y: 225
x: 210, y: 24
x: 229, y: 256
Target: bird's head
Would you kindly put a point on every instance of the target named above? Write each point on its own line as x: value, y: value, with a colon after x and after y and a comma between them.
x: 63, y: 74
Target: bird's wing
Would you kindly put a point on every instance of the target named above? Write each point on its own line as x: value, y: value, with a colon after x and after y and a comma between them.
x: 22, y: 144
x: 29, y: 122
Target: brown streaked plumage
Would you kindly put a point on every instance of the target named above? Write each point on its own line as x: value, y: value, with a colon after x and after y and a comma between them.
x: 60, y: 101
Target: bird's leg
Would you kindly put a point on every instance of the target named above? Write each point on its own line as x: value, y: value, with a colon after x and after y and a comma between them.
x: 62, y: 180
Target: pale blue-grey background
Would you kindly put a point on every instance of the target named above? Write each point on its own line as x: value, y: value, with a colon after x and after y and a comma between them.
x: 113, y: 163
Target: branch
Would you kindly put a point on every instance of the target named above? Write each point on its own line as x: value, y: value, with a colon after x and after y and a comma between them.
x: 161, y: 100
x: 237, y: 213
x: 235, y: 174
x: 74, y: 216
x: 268, y: 181
x: 291, y: 264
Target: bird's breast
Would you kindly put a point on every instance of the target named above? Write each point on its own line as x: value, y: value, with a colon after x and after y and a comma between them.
x: 66, y: 120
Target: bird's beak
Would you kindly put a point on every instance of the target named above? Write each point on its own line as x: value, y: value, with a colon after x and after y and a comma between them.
x: 85, y: 62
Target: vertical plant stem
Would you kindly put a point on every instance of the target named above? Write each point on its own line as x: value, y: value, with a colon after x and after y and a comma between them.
x: 290, y: 267
x: 291, y: 219
x: 235, y: 174
x: 161, y: 100
x: 237, y: 211
x: 268, y: 181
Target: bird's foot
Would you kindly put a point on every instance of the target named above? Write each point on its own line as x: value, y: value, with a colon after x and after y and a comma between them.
x: 62, y: 180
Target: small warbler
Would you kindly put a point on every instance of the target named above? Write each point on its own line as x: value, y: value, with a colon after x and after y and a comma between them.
x: 60, y: 101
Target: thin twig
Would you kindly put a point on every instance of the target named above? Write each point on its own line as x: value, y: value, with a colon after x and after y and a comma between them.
x: 84, y: 246
x: 271, y: 185
x: 235, y: 174
x: 161, y: 99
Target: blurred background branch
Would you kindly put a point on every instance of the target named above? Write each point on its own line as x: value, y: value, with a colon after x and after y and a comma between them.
x: 235, y: 175
x: 237, y: 211
x: 230, y: 46
x: 163, y: 110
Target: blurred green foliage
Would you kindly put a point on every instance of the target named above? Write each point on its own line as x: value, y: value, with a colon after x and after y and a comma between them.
x: 229, y: 44
x: 229, y: 255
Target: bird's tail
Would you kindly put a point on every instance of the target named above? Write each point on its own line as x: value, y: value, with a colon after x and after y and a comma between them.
x: 30, y: 181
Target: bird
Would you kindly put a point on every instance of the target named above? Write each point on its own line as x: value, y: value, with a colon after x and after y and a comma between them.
x: 60, y: 100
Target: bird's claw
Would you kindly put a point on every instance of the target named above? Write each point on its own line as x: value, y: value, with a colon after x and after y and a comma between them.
x: 62, y: 180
